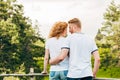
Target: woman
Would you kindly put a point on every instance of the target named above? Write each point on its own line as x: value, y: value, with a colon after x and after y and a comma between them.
x: 53, y: 48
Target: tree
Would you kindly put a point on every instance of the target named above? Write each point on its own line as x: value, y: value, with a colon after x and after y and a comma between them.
x: 19, y: 43
x: 8, y: 37
x: 111, y: 24
x: 108, y: 38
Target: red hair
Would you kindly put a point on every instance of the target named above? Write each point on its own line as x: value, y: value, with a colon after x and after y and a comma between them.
x: 57, y: 29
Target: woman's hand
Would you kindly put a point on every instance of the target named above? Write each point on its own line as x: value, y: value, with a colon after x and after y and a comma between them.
x: 44, y: 72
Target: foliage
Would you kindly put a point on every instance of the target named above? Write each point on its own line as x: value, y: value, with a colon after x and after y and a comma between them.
x: 19, y: 42
x: 109, y: 72
x: 108, y: 41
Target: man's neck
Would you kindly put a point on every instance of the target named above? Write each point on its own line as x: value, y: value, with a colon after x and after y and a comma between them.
x: 77, y: 31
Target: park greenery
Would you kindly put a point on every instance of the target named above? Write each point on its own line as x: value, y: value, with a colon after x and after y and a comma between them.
x: 108, y: 41
x: 22, y: 47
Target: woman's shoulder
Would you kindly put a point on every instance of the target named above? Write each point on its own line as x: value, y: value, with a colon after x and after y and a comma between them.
x: 50, y: 39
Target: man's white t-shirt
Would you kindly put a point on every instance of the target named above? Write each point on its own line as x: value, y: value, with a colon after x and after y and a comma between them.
x: 81, y: 47
x: 54, y: 46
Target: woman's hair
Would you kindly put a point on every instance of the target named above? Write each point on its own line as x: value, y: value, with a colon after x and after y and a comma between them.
x: 75, y: 21
x: 57, y: 29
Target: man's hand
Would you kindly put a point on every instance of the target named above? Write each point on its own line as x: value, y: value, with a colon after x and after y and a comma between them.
x: 51, y: 62
x: 59, y: 58
x: 94, y: 75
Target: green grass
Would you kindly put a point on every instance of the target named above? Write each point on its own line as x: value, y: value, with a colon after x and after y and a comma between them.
x: 109, y: 72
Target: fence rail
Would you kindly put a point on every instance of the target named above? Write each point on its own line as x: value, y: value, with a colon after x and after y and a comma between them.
x: 32, y: 76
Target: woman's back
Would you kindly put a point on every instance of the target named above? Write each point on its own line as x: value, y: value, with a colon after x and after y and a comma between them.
x: 54, y: 46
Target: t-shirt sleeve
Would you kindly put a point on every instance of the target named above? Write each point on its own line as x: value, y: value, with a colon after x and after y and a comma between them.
x: 94, y: 47
x: 66, y: 43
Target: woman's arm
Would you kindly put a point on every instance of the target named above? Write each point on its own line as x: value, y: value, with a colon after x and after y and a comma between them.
x: 46, y: 59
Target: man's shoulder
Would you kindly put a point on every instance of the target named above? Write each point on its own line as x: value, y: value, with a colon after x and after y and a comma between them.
x: 87, y: 36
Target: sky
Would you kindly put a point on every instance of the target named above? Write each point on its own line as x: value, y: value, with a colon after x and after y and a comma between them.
x: 47, y: 12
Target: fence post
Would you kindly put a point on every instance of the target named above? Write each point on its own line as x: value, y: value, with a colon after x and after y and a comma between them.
x: 31, y: 72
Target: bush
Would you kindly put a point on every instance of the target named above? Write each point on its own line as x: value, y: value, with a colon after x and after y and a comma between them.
x: 113, y: 72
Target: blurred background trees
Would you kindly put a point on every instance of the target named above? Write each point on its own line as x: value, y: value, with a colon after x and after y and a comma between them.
x: 108, y: 40
x: 22, y: 47
x: 20, y: 44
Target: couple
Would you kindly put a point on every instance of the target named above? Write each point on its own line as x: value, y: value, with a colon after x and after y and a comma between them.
x: 70, y: 57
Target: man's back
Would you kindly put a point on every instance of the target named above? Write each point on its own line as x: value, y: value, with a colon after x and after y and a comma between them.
x: 81, y: 46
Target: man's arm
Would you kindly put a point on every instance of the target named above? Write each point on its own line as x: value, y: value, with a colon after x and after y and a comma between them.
x: 61, y: 57
x: 96, y: 62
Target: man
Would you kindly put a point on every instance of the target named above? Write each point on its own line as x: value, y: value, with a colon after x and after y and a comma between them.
x: 79, y: 47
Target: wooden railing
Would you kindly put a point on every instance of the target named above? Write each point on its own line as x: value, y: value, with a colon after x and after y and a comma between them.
x: 33, y: 75
x: 30, y: 75
x: 106, y: 79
